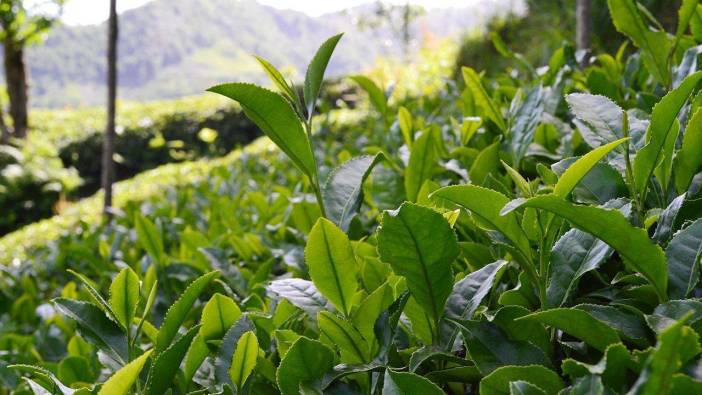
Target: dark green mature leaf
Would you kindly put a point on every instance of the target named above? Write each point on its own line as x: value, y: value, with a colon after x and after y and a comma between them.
x: 124, y: 296
x: 401, y: 383
x: 497, y: 382
x: 689, y: 157
x: 485, y: 204
x: 220, y: 313
x: 276, y: 118
x: 46, y: 380
x: 307, y: 360
x: 667, y: 220
x: 244, y: 359
x: 588, y: 385
x: 490, y: 348
x: 601, y: 118
x: 629, y: 325
x: 573, y: 255
x: 101, y: 303
x: 613, y: 228
x: 179, y: 310
x: 423, y: 161
x: 225, y: 355
x: 684, y: 253
x: 340, y: 332
x: 94, y: 325
x: 524, y: 122
x: 668, y: 313
x: 677, y: 344
x: 575, y: 172
x: 491, y: 111
x: 663, y: 123
x: 343, y: 191
x: 166, y: 363
x: 420, y: 245
x: 468, y: 293
x: 613, y: 367
x: 487, y: 162
x: 315, y: 72
x: 376, y: 95
x: 332, y: 264
x: 120, y: 382
x: 150, y: 239
x: 654, y: 45
x: 299, y: 292
x: 577, y: 323
x: 600, y: 185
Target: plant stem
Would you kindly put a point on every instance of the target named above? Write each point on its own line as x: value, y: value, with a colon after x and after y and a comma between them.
x: 630, y: 173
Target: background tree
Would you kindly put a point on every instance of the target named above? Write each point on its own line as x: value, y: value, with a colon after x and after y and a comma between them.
x: 22, y: 23
x: 397, y: 18
x: 583, y: 27
x: 108, y: 164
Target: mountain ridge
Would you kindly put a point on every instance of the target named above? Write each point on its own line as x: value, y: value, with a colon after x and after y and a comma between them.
x: 174, y: 48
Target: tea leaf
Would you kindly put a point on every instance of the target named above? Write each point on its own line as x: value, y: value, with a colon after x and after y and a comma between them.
x: 315, y: 72
x: 332, y: 264
x: 120, y: 382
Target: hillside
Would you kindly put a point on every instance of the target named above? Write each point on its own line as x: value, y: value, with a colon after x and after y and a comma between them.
x: 173, y: 48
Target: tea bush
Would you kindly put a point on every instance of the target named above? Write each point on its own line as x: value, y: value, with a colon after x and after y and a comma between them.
x: 524, y: 235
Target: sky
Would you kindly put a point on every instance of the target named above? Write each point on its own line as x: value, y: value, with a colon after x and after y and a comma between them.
x: 86, y: 12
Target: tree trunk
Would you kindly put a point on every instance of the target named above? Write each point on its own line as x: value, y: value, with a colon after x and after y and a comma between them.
x: 583, y: 27
x: 108, y: 164
x: 16, y: 80
x: 4, y: 131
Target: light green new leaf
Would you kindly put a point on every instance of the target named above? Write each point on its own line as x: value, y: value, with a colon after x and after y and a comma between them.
x: 663, y: 121
x: 150, y: 239
x: 370, y: 309
x: 689, y: 159
x: 278, y: 80
x: 120, y: 382
x: 276, y: 118
x: 684, y: 253
x: 676, y: 345
x: 521, y: 387
x: 491, y: 111
x: 124, y: 296
x: 244, y: 359
x: 404, y: 119
x: 497, y: 382
x: 572, y: 176
x: 220, y: 313
x: 375, y: 94
x: 403, y: 383
x: 343, y: 191
x: 685, y: 14
x: 610, y: 226
x: 196, y: 355
x: 654, y: 45
x: 332, y: 264
x: 179, y: 310
x: 315, y: 72
x: 422, y: 162
x: 306, y: 360
x: 341, y: 333
x: 485, y: 204
x: 420, y: 245
x: 577, y: 323
x: 165, y: 366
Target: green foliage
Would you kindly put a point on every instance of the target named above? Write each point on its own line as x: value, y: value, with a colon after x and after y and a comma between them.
x: 547, y: 255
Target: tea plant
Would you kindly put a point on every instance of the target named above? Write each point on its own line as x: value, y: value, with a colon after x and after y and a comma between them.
x: 523, y: 235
